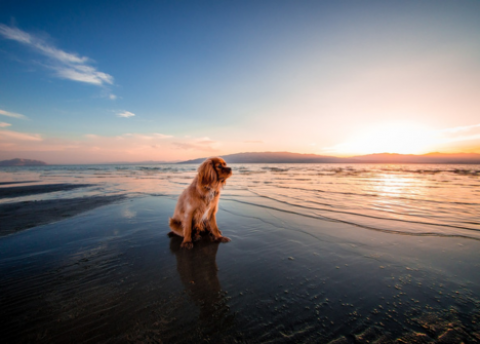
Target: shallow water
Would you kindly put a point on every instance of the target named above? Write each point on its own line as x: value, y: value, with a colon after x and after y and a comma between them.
x: 421, y: 199
x: 337, y: 261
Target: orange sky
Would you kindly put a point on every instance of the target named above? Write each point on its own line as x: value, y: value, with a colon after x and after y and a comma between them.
x: 184, y: 82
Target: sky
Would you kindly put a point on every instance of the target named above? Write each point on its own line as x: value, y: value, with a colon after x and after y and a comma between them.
x: 129, y: 81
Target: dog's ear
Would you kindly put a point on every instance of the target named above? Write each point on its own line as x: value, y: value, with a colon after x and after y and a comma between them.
x: 206, y: 173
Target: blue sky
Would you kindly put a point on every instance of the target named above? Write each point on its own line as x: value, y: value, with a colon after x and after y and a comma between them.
x: 98, y: 81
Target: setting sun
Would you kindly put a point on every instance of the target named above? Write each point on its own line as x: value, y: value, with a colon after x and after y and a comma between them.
x: 401, y: 138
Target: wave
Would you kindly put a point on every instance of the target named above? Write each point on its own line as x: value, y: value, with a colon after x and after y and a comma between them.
x: 363, y: 215
x: 384, y: 230
x: 445, y: 196
x: 375, y: 195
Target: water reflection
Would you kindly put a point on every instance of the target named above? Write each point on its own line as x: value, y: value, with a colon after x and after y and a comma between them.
x: 389, y: 185
x: 198, y: 272
x: 445, y: 196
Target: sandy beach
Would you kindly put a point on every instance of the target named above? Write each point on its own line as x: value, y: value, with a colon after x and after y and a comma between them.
x: 102, y: 269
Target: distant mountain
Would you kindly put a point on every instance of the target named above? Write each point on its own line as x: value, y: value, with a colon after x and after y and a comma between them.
x: 22, y: 162
x: 271, y: 157
x: 389, y: 158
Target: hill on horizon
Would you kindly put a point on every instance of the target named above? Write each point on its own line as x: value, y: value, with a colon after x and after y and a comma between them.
x: 295, y: 158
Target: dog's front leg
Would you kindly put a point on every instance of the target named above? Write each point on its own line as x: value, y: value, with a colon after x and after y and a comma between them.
x: 187, y: 231
x: 214, y: 228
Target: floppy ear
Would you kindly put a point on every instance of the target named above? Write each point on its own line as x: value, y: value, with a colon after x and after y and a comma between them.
x: 206, y: 173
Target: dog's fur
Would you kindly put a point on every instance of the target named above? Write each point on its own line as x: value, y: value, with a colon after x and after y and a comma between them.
x: 198, y: 204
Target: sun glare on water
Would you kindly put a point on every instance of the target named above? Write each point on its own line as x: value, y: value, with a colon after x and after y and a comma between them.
x: 401, y: 138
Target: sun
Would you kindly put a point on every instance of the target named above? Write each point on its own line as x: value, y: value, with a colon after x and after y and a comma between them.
x: 397, y: 137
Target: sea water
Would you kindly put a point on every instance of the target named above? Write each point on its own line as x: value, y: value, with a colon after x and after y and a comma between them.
x: 442, y: 200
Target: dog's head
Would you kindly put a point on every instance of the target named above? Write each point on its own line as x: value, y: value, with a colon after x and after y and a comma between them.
x: 213, y: 172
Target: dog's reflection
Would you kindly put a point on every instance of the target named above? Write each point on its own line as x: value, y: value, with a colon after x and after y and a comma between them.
x: 198, y: 271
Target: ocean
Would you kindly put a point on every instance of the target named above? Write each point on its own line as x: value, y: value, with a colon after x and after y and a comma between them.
x: 441, y: 200
x: 319, y: 253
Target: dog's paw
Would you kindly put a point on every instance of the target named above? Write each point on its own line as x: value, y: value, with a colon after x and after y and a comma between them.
x: 223, y: 239
x: 188, y: 245
x: 197, y: 237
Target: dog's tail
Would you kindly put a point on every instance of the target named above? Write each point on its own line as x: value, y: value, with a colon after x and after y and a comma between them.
x: 175, y: 225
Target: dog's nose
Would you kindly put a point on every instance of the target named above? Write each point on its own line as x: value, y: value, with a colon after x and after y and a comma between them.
x: 229, y: 170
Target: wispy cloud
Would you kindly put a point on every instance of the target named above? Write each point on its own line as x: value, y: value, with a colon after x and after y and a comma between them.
x: 461, y: 129
x: 152, y: 136
x: 162, y: 136
x: 7, y: 135
x: 125, y: 114
x: 91, y: 136
x: 66, y: 65
x: 465, y: 138
x: 462, y: 133
x: 98, y: 148
x: 12, y: 114
x: 203, y: 144
x: 4, y: 125
x: 83, y: 73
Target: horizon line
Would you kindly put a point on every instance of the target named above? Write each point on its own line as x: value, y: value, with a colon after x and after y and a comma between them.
x: 426, y: 155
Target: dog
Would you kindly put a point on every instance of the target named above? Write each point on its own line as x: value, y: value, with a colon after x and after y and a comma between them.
x: 197, y: 205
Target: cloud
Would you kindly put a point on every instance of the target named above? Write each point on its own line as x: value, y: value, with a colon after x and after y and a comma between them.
x: 253, y: 141
x: 66, y: 65
x: 125, y: 114
x: 461, y: 129
x: 112, y: 96
x: 463, y: 133
x: 7, y: 135
x: 91, y: 136
x: 192, y: 146
x: 4, y: 125
x: 465, y: 138
x: 84, y: 74
x: 11, y: 114
x: 134, y: 136
x: 98, y: 148
x: 15, y: 34
x: 203, y: 144
x: 162, y: 136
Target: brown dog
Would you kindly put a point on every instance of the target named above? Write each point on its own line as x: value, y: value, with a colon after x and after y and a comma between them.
x: 198, y: 204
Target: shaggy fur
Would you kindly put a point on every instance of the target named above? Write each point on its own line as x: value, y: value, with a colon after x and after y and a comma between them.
x: 198, y: 204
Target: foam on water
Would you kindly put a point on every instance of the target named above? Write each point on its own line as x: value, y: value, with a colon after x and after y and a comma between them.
x: 410, y: 199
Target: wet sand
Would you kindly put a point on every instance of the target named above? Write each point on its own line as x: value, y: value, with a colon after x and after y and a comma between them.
x: 16, y: 216
x: 113, y: 275
x: 25, y: 190
x: 23, y: 215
